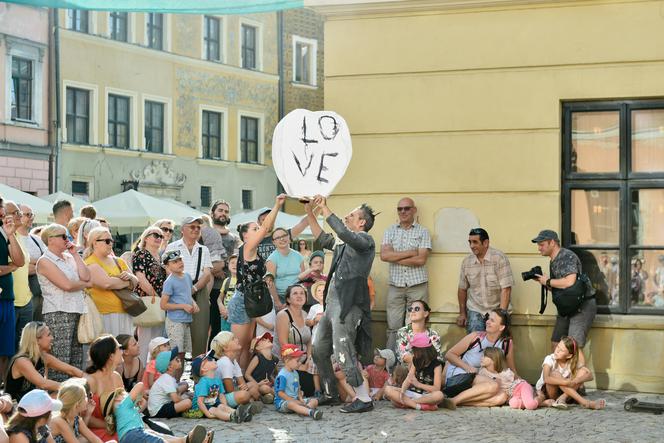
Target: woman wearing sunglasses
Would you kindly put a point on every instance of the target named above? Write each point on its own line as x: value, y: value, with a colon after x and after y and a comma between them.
x: 151, y: 276
x: 167, y: 229
x: 418, y: 314
x: 62, y: 277
x: 108, y: 273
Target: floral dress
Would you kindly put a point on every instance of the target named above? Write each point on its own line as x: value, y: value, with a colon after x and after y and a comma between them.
x: 406, y: 334
x: 155, y: 274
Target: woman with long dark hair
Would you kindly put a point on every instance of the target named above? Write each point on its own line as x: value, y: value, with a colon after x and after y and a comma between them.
x: 105, y: 356
x: 418, y: 313
x: 250, y: 269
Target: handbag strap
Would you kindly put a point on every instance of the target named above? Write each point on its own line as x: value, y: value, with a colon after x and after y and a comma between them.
x: 198, y: 267
x: 295, y: 328
x: 41, y: 251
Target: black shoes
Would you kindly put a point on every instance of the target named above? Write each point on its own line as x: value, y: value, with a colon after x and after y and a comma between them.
x: 329, y: 400
x: 358, y: 406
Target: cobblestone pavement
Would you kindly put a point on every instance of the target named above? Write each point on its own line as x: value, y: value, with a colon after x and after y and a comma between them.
x: 613, y: 424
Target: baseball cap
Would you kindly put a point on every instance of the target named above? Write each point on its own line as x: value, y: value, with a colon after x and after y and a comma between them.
x: 154, y: 343
x: 170, y: 256
x: 420, y: 340
x: 198, y: 362
x: 266, y: 335
x: 191, y: 219
x: 291, y: 351
x: 164, y: 359
x: 315, y: 254
x: 263, y: 211
x: 37, y: 403
x: 388, y: 355
x: 546, y: 234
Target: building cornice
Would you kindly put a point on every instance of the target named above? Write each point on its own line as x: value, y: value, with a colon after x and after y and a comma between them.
x: 220, y: 68
x: 346, y: 8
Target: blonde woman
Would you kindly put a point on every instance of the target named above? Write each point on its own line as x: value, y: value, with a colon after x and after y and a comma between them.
x: 83, y: 233
x: 69, y: 426
x: 74, y: 225
x: 108, y: 273
x: 29, y: 368
x: 62, y: 277
x: 167, y: 228
x: 151, y: 276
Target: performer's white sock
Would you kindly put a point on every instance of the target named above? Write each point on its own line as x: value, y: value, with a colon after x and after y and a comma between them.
x: 362, y: 392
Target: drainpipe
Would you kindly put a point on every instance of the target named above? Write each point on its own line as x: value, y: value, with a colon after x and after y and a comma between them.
x: 280, y: 45
x: 58, y: 116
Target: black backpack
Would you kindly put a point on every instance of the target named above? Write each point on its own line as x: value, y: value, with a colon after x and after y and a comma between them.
x: 257, y: 297
x: 568, y: 301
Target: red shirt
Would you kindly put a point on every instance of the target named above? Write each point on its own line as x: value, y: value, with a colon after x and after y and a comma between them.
x: 377, y: 377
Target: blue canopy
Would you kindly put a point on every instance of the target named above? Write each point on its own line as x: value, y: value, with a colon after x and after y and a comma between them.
x: 170, y: 6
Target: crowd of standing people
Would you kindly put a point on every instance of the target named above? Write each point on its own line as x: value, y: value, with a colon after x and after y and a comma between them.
x: 60, y: 280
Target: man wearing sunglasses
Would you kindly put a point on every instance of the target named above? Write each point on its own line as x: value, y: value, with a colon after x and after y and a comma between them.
x: 198, y: 265
x: 485, y: 282
x: 406, y: 246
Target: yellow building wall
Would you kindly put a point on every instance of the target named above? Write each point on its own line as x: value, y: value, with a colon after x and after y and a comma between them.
x: 461, y: 108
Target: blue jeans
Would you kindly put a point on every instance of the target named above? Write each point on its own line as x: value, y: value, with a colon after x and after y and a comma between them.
x: 23, y: 317
x: 475, y: 321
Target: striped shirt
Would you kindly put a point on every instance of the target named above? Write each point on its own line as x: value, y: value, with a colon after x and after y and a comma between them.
x: 190, y: 260
x: 415, y: 237
x: 485, y: 280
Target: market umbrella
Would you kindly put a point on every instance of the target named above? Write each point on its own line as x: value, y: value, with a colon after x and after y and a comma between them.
x: 77, y: 202
x: 133, y: 209
x: 41, y: 208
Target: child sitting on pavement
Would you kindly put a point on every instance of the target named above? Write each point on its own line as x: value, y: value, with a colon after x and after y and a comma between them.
x: 150, y: 375
x: 210, y: 400
x: 70, y: 425
x: 422, y: 387
x: 164, y: 400
x: 519, y: 392
x: 378, y: 373
x: 238, y: 391
x: 562, y: 376
x: 313, y: 318
x: 261, y: 367
x: 121, y: 413
x: 177, y: 301
x: 288, y: 396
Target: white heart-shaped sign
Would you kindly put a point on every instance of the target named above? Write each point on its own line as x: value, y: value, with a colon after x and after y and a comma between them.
x: 310, y: 152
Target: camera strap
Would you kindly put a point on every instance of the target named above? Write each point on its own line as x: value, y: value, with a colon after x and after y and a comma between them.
x: 544, y: 297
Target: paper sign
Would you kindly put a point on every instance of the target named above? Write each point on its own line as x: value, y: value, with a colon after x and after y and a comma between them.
x: 310, y: 152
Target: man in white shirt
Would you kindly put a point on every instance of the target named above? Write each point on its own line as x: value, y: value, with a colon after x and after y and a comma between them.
x: 198, y: 265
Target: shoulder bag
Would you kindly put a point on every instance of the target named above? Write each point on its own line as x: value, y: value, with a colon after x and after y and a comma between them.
x: 131, y: 302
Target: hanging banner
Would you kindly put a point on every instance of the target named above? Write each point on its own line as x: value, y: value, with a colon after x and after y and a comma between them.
x: 170, y: 6
x: 310, y: 152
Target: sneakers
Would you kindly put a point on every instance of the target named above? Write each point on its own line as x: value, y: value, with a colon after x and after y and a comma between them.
x: 428, y: 407
x: 329, y: 400
x: 316, y: 414
x: 358, y: 406
x: 268, y: 399
x: 255, y: 407
x: 244, y: 413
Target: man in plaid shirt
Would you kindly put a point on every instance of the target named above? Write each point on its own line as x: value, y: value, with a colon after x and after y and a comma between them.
x: 485, y: 282
x: 406, y: 246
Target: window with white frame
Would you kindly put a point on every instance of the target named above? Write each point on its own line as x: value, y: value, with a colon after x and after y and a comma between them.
x: 78, y: 20
x: 211, y: 134
x: 304, y: 60
x: 78, y: 116
x: 154, y: 126
x: 206, y: 196
x: 154, y: 25
x: 118, y: 121
x: 119, y: 25
x: 249, y: 46
x: 249, y: 139
x: 247, y: 199
x: 21, y: 89
x: 80, y: 189
x: 212, y: 38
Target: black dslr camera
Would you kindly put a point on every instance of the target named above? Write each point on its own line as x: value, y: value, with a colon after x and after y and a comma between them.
x: 532, y: 274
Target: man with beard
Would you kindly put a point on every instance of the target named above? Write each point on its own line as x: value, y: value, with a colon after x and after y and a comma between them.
x: 222, y: 243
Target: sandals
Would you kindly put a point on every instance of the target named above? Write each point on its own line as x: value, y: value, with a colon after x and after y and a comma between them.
x: 198, y: 435
x: 560, y: 405
x: 596, y: 404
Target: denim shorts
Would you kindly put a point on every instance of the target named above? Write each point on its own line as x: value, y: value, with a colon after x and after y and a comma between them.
x: 237, y: 314
x: 140, y: 435
x: 475, y: 322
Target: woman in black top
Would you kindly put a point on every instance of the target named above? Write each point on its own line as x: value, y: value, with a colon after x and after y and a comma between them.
x: 28, y: 369
x: 250, y: 269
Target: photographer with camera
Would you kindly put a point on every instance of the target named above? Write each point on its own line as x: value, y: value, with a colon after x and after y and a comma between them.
x: 565, y: 268
x: 485, y: 282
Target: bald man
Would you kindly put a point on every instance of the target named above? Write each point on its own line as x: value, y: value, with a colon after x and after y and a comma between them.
x: 406, y: 246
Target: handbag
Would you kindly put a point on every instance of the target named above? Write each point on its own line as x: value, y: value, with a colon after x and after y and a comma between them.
x: 257, y: 299
x: 131, y: 302
x: 90, y: 325
x: 153, y: 315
